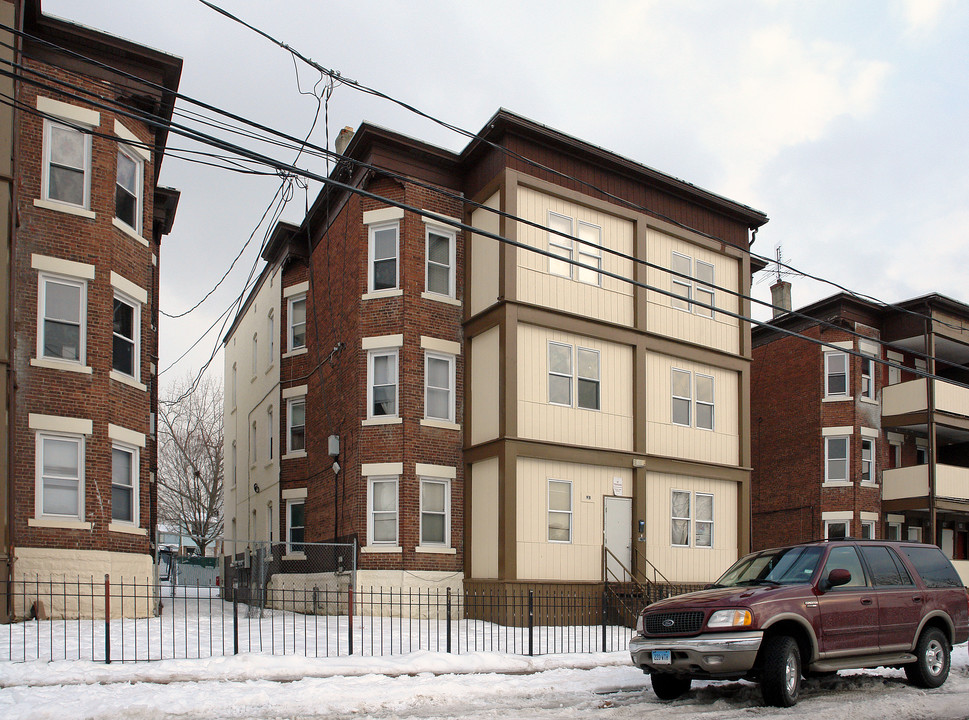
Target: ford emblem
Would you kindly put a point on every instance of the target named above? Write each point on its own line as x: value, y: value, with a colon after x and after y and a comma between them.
x: 668, y: 623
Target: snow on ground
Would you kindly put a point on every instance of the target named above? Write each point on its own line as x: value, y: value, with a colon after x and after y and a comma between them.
x: 431, y: 685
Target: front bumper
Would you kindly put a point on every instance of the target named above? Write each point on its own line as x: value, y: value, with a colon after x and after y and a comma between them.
x: 712, y: 654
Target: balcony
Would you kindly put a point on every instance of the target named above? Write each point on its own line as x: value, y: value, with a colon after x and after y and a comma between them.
x: 910, y: 398
x: 952, y: 483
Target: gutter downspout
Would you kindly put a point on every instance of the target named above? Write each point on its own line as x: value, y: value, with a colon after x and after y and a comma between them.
x: 931, y: 426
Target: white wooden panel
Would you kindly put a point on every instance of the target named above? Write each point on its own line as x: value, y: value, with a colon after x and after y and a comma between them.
x: 613, y: 300
x: 610, y: 427
x: 581, y: 559
x: 690, y: 564
x: 484, y: 519
x: 484, y: 386
x: 484, y: 257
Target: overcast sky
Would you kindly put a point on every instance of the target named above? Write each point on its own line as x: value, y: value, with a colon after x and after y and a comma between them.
x: 845, y: 122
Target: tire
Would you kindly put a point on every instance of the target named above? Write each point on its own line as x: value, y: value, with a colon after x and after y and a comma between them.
x: 668, y: 686
x: 780, y: 676
x: 931, y: 668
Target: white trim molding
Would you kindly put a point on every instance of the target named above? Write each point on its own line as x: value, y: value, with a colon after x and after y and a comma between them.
x: 57, y: 424
x: 297, y: 289
x: 135, y: 292
x: 387, y: 214
x: 72, y: 113
x: 442, y: 346
x: 378, y: 342
x: 842, y: 430
x: 436, y: 471
x: 124, y: 435
x: 391, y: 468
x: 46, y: 263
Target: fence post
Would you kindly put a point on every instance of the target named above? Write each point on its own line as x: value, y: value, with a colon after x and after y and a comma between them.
x: 604, y: 620
x: 107, y: 619
x: 531, y: 623
x: 448, y: 631
x: 235, y: 617
x: 350, y: 617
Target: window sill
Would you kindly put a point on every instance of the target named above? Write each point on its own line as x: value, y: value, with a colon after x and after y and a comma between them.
x: 294, y: 556
x: 58, y: 524
x: 441, y: 299
x: 868, y: 484
x: 127, y: 529
x: 65, y: 365
x: 65, y: 208
x: 296, y: 352
x: 270, y: 368
x: 129, y: 231
x: 253, y: 379
x: 836, y: 483
x: 381, y: 421
x: 378, y: 294
x: 268, y: 465
x: 295, y: 455
x: 443, y: 424
x: 869, y: 401
x: 379, y: 549
x: 127, y: 380
x: 430, y: 550
x: 837, y: 398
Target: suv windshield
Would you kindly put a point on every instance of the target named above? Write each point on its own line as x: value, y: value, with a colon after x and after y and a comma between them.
x: 783, y: 566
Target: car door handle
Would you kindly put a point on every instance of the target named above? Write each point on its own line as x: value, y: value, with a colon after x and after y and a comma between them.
x: 917, y: 599
x: 866, y: 601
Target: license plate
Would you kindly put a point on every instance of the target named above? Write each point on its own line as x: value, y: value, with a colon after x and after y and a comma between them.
x: 662, y: 657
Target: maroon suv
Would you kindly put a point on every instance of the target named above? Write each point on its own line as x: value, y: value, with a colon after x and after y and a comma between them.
x: 812, y: 608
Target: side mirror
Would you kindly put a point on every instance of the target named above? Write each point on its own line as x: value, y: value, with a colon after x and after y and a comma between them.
x: 838, y: 576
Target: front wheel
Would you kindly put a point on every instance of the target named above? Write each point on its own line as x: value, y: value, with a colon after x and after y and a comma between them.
x: 668, y: 686
x: 780, y: 677
x: 931, y: 667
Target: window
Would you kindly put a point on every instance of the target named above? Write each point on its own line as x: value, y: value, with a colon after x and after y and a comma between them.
x: 63, y: 304
x: 383, y: 257
x: 559, y: 374
x: 296, y: 425
x: 704, y: 288
x: 271, y: 333
x: 559, y: 511
x: 60, y: 461
x: 125, y: 352
x: 439, y: 386
x: 560, y: 245
x: 886, y: 568
x: 235, y: 465
x: 704, y: 520
x: 255, y: 354
x: 295, y: 526
x: 235, y: 383
x: 297, y: 322
x: 680, y: 519
x: 586, y: 376
x: 894, y: 531
x: 704, y: 402
x: 435, y: 512
x: 915, y: 534
x: 682, y: 287
x: 867, y: 530
x: 67, y: 164
x: 124, y: 484
x: 383, y: 511
x: 382, y: 384
x: 836, y: 459
x: 587, y: 381
x: 682, y: 397
x: 835, y: 529
x: 271, y: 430
x: 921, y: 455
x: 252, y: 443
x: 835, y: 374
x: 847, y: 558
x: 867, y: 378
x: 867, y: 460
x: 127, y: 197
x: 440, y: 262
x: 590, y: 253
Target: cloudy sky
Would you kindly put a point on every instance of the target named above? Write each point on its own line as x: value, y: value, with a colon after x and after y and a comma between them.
x: 845, y: 122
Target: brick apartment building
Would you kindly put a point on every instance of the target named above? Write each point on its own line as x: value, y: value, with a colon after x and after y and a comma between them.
x: 86, y: 217
x: 853, y: 436
x: 501, y: 416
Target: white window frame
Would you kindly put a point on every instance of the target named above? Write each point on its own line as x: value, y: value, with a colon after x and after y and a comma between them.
x: 597, y: 380
x: 688, y: 398
x: 705, y: 288
x: 451, y: 237
x: 271, y: 331
x: 846, y: 460
x: 681, y: 287
x: 868, y: 373
x: 446, y: 543
x: 894, y: 531
x: 290, y: 545
x: 450, y: 360
x: 79, y: 441
x: 235, y: 464
x: 552, y: 373
x: 255, y: 354
x: 133, y: 465
x: 697, y: 521
x: 560, y: 246
x: 829, y: 523
x: 253, y: 443
x: 81, y: 285
x: 271, y: 432
x: 870, y: 525
x: 139, y: 163
x: 235, y: 385
x: 914, y: 533
x: 688, y: 518
x: 371, y: 482
x: 870, y: 462
x: 290, y: 404
x: 549, y: 511
x: 589, y: 253
x: 828, y: 356
x: 712, y: 404
x: 86, y: 169
x: 291, y: 331
x: 372, y: 355
x: 136, y: 331
x: 372, y: 231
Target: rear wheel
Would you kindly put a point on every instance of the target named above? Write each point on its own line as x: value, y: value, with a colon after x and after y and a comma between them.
x: 780, y: 677
x: 931, y: 667
x: 668, y: 686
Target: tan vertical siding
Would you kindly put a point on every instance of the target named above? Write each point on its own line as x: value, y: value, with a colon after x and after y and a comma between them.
x: 484, y: 258
x: 484, y: 386
x: 484, y: 519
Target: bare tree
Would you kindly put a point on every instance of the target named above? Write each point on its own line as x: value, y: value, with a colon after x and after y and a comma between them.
x: 190, y: 459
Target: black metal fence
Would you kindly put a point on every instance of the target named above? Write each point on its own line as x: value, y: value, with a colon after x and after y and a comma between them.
x: 141, y: 620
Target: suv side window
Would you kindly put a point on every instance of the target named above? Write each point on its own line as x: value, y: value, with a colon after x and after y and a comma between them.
x: 886, y: 570
x: 845, y: 557
x: 932, y: 565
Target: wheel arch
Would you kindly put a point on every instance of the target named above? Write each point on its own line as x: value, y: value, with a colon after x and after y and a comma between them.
x: 939, y: 620
x: 796, y: 627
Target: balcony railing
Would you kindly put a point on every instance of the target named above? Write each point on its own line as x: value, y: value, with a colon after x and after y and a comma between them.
x: 910, y: 397
x: 952, y: 482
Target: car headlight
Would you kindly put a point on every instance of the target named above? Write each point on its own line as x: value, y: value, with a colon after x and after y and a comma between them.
x: 640, y: 625
x: 730, y: 618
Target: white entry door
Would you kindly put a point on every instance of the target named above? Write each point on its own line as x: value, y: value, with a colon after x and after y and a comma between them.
x: 617, y: 535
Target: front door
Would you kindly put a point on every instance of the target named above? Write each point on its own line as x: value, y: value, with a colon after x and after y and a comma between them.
x: 849, y: 613
x: 617, y: 535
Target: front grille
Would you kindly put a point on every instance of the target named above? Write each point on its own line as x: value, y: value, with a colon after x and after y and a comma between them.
x: 673, y: 623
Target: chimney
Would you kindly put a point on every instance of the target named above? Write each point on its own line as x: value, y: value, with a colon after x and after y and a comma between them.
x: 343, y: 139
x: 780, y: 293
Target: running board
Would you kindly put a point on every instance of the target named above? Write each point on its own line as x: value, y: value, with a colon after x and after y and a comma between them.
x: 866, y: 661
